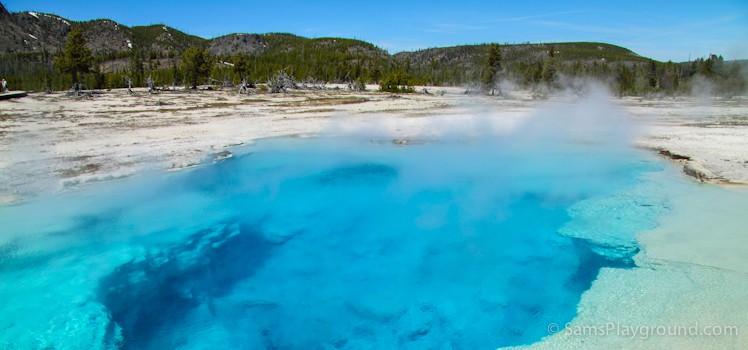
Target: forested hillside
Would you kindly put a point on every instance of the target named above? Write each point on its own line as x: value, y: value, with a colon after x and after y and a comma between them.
x: 531, y: 65
x: 465, y: 64
x: 30, y: 43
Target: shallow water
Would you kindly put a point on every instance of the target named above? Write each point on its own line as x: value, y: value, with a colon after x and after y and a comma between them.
x: 324, y: 244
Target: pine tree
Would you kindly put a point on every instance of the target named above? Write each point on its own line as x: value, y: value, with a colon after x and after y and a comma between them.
x: 669, y: 79
x: 707, y: 67
x: 374, y: 75
x: 493, y: 66
x: 549, y: 69
x: 626, y: 80
x: 136, y: 68
x: 75, y: 58
x: 47, y: 69
x: 196, y: 65
x: 241, y: 66
x: 652, y: 80
x: 175, y: 74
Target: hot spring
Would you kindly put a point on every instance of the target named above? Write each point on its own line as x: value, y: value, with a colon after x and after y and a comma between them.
x: 465, y: 240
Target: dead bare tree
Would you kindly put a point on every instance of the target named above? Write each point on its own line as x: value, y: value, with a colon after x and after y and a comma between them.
x: 281, y: 82
x: 227, y: 83
x: 129, y: 84
x: 150, y: 83
x: 245, y: 86
x: 75, y: 90
x: 356, y: 85
x: 472, y: 89
x: 313, y: 84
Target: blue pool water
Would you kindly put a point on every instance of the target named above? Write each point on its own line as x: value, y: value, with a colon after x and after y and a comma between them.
x: 323, y: 244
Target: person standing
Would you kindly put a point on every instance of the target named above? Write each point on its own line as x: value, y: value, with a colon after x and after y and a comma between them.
x: 5, y: 86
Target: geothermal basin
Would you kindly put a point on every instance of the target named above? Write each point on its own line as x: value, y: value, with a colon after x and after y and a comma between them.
x: 471, y: 233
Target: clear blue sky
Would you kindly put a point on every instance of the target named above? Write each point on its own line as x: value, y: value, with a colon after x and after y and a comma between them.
x: 663, y: 30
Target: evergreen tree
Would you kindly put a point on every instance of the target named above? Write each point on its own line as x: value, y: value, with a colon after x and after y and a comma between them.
x: 433, y: 66
x: 493, y: 66
x: 706, y: 67
x: 196, y: 65
x: 536, y: 73
x: 669, y: 79
x: 47, y: 70
x: 374, y: 75
x: 175, y: 74
x: 241, y: 66
x: 75, y: 58
x: 548, y: 74
x: 652, y: 74
x: 136, y: 68
x: 626, y: 80
x: 99, y: 78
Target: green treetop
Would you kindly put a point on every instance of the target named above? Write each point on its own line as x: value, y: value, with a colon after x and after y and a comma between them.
x: 493, y: 65
x: 242, y: 66
x: 75, y: 58
x: 196, y: 65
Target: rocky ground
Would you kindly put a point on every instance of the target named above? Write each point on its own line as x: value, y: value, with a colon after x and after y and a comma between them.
x: 52, y: 142
x: 708, y: 135
x: 691, y: 270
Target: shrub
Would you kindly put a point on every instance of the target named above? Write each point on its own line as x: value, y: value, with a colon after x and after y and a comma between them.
x: 396, y: 82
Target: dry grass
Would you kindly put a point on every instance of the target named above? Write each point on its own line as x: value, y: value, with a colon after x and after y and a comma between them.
x: 254, y: 100
x: 210, y: 105
x: 322, y: 101
x: 387, y: 110
x: 131, y: 111
x: 316, y: 110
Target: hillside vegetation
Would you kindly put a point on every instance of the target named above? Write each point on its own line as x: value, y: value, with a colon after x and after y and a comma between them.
x: 29, y: 43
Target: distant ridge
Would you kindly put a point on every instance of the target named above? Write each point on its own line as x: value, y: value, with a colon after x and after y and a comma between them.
x: 28, y: 32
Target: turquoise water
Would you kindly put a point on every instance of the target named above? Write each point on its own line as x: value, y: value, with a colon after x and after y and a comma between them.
x: 324, y: 244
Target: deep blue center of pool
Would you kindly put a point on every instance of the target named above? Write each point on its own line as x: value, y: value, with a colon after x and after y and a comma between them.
x: 329, y: 244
